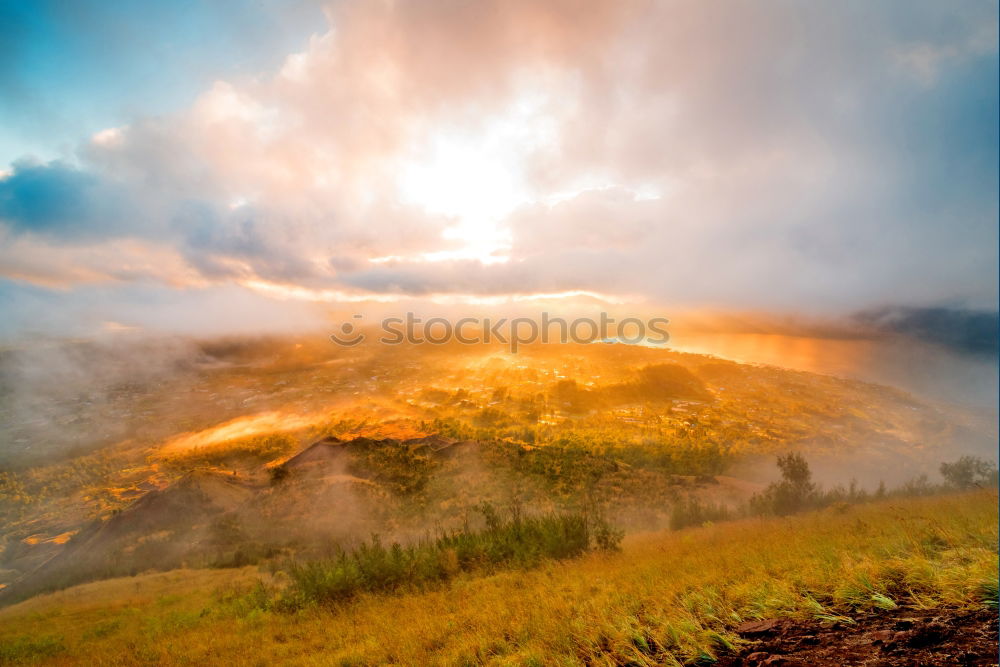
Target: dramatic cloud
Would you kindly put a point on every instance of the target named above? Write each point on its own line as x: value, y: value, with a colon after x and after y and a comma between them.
x: 751, y: 155
x: 60, y: 202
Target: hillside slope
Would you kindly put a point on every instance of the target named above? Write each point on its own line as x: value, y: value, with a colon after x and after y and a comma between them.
x: 405, y: 452
x: 666, y: 598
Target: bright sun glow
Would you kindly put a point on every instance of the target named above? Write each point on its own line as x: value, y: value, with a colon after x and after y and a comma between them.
x: 474, y: 182
x: 477, y: 179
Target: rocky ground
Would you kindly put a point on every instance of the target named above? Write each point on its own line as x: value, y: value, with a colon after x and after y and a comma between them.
x: 904, y: 636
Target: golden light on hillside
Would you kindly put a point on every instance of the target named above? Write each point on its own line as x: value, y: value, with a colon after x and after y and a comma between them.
x: 241, y: 427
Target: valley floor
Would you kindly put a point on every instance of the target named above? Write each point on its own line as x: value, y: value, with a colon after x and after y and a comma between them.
x: 666, y: 598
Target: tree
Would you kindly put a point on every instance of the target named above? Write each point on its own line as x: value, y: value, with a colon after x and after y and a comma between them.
x: 969, y: 471
x: 795, y: 470
x: 793, y: 493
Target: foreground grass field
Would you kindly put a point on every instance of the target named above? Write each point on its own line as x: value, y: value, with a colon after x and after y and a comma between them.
x: 666, y: 598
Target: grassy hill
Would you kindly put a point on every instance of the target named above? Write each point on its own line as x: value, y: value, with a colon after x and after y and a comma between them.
x: 290, y: 446
x: 240, y: 493
x: 665, y: 598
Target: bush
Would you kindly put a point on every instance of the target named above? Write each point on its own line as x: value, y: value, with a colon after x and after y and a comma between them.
x: 795, y: 492
x: 692, y: 512
x: 968, y: 472
x: 403, y: 468
x: 278, y: 474
x: 509, y: 540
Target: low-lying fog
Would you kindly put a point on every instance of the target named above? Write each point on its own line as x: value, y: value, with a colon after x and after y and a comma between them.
x: 930, y: 371
x: 63, y: 397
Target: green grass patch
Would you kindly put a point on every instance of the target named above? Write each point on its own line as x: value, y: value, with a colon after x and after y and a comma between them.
x: 509, y: 539
x: 28, y: 648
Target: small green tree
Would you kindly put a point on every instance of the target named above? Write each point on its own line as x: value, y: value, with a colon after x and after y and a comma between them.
x: 969, y: 471
x: 795, y: 492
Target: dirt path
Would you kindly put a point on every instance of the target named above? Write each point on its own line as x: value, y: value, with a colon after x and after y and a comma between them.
x: 900, y: 637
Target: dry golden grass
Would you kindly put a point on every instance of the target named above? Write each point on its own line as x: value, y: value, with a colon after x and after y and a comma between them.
x: 665, y: 598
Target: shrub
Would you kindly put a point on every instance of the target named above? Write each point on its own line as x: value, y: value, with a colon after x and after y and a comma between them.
x: 795, y: 492
x: 690, y: 511
x: 508, y: 540
x: 278, y: 474
x: 918, y: 486
x: 404, y: 468
x: 968, y: 472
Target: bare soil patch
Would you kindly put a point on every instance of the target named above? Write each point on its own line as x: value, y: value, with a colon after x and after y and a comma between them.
x: 904, y: 636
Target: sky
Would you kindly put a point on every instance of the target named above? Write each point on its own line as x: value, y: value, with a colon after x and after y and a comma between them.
x: 231, y: 164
